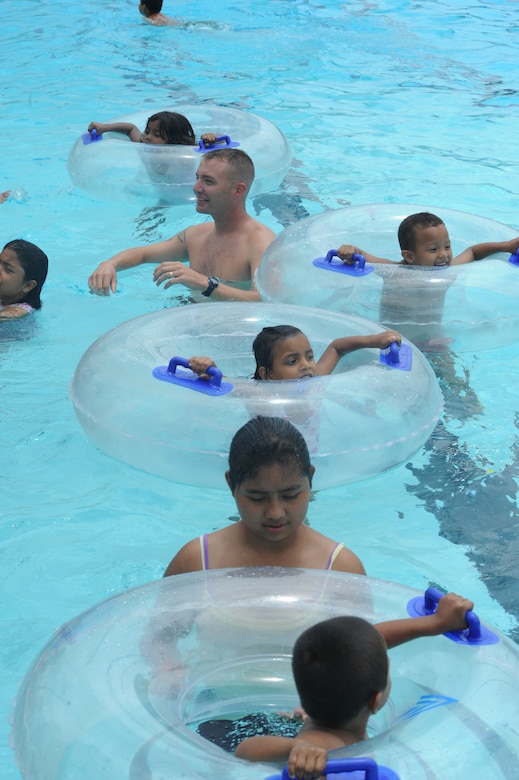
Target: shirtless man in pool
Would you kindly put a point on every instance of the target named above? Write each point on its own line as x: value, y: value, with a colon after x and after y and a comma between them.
x: 230, y: 247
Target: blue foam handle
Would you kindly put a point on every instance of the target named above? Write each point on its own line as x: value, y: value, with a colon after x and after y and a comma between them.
x: 343, y: 768
x: 400, y: 357
x: 93, y: 135
x: 191, y: 381
x: 475, y: 634
x: 359, y: 267
x: 227, y: 144
x: 514, y: 258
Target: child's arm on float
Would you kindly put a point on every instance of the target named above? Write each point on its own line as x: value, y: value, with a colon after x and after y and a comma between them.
x: 127, y: 128
x: 339, y: 347
x: 481, y: 251
x: 449, y: 616
x: 306, y: 756
x: 346, y: 252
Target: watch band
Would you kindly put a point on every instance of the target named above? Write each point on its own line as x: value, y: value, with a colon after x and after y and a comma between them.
x: 213, y: 283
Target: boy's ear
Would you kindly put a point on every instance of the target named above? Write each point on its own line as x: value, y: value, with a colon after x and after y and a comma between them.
x: 227, y: 479
x: 262, y: 371
x: 407, y: 256
x: 375, y: 702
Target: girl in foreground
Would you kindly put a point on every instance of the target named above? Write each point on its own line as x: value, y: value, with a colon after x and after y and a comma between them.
x: 270, y: 477
x: 284, y: 352
x: 23, y: 270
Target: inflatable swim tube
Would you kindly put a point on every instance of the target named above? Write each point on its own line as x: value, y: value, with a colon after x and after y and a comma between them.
x: 361, y: 420
x: 467, y: 307
x: 99, y: 702
x: 115, y: 166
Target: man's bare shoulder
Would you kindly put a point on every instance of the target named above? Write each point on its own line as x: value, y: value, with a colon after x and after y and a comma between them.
x: 258, y: 228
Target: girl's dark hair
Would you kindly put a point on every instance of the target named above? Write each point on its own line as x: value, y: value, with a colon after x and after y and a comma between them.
x: 266, y: 441
x: 338, y: 665
x: 265, y: 343
x: 408, y: 227
x: 35, y: 264
x: 174, y: 128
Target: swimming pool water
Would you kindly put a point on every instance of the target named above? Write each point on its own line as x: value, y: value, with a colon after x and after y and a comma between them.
x: 391, y: 101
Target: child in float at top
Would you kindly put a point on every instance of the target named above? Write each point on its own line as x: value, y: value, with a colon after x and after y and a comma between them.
x: 164, y: 127
x: 23, y: 270
x: 341, y: 672
x: 284, y: 352
x: 151, y: 10
x: 424, y: 241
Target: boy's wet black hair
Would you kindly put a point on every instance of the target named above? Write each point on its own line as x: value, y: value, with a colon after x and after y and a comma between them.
x: 412, y: 223
x: 338, y: 665
x: 153, y: 6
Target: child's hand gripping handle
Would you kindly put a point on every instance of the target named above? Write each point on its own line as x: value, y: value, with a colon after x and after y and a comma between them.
x: 356, y: 268
x: 475, y: 634
x: 222, y: 142
x: 431, y: 598
x: 214, y: 372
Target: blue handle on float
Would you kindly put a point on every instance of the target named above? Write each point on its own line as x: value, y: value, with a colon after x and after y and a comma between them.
x: 93, y: 135
x: 342, y: 769
x: 395, y: 356
x: 228, y: 144
x: 359, y: 267
x: 191, y: 380
x: 475, y: 634
x: 514, y: 258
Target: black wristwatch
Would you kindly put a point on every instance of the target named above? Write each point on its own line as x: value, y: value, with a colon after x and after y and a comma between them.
x: 213, y: 283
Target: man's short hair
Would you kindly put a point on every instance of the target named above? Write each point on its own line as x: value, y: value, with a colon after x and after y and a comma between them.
x: 241, y: 167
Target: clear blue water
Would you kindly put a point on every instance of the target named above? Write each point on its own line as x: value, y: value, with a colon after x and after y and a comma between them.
x: 391, y: 101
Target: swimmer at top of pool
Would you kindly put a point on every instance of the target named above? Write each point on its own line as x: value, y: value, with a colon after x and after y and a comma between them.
x: 23, y: 270
x: 283, y: 352
x: 151, y: 10
x: 424, y: 241
x: 162, y: 129
x: 270, y: 477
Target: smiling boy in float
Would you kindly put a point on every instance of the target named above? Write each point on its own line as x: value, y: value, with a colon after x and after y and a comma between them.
x: 424, y: 241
